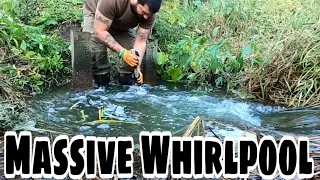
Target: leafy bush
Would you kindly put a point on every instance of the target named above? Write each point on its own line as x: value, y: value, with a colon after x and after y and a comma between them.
x: 253, y: 47
x: 191, y: 51
x: 38, y: 58
x: 48, y: 12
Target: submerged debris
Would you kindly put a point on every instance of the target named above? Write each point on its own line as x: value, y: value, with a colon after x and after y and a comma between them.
x: 7, y: 91
x: 10, y: 115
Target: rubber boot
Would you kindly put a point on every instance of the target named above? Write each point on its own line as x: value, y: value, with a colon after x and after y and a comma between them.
x: 126, y: 79
x: 101, y: 79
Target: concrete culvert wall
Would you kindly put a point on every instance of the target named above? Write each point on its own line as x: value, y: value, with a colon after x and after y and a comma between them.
x: 149, y: 62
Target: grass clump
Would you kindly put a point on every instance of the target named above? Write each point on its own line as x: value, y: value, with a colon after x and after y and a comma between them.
x: 289, y: 44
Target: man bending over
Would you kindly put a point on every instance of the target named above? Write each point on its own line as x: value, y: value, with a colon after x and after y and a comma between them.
x: 111, y: 23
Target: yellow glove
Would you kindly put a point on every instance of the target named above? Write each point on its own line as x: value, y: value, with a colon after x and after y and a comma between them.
x: 130, y: 57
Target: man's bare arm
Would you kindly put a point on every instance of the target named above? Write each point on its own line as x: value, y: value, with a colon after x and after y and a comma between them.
x: 140, y: 43
x: 101, y: 27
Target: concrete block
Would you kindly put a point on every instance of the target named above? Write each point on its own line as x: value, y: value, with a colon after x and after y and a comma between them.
x: 82, y: 78
x: 149, y: 63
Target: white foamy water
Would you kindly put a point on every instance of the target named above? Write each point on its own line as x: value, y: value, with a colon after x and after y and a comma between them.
x: 183, y: 104
x: 160, y: 108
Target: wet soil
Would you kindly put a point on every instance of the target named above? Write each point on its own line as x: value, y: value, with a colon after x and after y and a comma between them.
x: 65, y: 28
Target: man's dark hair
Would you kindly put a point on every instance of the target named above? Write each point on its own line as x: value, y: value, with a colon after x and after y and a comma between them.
x: 154, y: 5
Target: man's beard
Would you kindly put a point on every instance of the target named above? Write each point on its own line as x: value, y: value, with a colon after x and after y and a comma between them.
x: 134, y: 11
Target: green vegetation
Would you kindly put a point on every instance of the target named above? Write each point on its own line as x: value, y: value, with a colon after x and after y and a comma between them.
x: 49, y: 12
x: 33, y: 56
x: 253, y: 48
x: 266, y: 49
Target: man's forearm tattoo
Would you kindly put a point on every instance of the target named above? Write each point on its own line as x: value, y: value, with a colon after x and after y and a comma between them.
x: 143, y: 34
x: 111, y: 42
x: 109, y: 39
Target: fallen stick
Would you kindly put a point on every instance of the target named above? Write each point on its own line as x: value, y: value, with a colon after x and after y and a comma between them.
x: 314, y: 138
x: 191, y: 128
x: 74, y: 105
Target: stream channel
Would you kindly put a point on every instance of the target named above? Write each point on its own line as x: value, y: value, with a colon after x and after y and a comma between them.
x: 164, y: 107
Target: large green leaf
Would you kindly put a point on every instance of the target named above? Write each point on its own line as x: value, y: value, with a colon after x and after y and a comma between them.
x: 174, y: 74
x: 202, y: 40
x: 246, y: 51
x: 181, y: 42
x: 23, y: 45
x: 186, y: 48
x: 40, y: 46
x: 9, y: 5
x: 219, y: 81
x: 194, y: 46
x: 162, y: 58
x: 50, y: 22
x: 192, y: 76
x: 215, y: 31
x: 194, y: 66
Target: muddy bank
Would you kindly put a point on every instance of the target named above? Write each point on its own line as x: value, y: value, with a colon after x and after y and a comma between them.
x: 12, y: 105
x: 64, y: 29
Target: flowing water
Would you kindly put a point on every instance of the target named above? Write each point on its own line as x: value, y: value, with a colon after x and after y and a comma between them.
x: 165, y: 107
